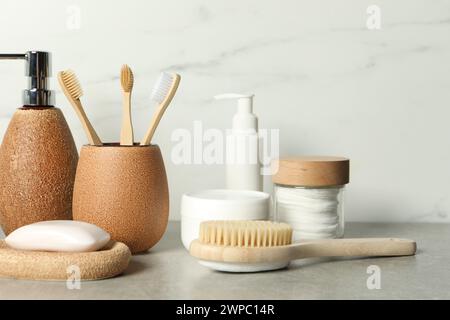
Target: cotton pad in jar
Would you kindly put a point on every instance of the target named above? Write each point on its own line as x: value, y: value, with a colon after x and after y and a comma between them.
x: 309, y: 195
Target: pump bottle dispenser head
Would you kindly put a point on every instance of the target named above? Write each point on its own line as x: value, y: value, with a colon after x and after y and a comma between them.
x: 38, y: 70
x: 244, y: 119
x: 245, y: 101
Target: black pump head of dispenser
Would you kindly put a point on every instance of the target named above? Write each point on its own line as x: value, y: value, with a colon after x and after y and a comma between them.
x: 38, y: 69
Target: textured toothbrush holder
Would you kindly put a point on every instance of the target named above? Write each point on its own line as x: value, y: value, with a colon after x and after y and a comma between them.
x: 123, y: 189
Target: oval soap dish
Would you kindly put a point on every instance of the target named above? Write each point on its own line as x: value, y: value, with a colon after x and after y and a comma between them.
x: 38, y: 265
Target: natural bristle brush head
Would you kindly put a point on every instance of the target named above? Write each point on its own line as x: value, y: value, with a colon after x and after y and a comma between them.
x: 163, y: 86
x: 70, y: 82
x: 241, y: 246
x: 126, y: 78
x: 245, y: 233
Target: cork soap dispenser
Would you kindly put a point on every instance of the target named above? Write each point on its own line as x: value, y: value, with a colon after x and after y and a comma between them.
x: 38, y: 156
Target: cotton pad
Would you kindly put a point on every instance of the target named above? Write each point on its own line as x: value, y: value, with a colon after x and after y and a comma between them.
x: 58, y: 235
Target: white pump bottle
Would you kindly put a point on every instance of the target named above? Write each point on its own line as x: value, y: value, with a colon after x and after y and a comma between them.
x: 242, y: 146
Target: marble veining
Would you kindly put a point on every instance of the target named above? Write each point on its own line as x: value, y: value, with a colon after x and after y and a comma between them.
x: 331, y: 85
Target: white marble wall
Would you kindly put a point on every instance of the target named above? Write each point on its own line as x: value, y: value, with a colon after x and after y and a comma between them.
x: 380, y: 97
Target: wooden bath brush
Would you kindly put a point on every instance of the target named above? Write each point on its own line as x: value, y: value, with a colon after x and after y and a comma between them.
x: 252, y: 246
x: 38, y: 265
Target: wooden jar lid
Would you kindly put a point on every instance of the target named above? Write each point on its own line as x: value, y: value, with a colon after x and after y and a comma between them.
x: 311, y: 171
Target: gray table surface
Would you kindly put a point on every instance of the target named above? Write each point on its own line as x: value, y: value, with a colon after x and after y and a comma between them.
x: 168, y: 272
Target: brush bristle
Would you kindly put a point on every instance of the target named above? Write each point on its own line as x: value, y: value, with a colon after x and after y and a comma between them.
x: 71, y: 83
x: 162, y: 86
x: 126, y: 78
x: 245, y: 233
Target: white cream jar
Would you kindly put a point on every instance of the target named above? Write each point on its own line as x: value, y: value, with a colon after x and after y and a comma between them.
x: 220, y: 204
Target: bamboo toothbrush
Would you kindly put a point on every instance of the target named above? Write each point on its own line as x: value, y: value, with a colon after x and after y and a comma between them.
x: 163, y: 92
x: 252, y: 246
x: 72, y: 90
x: 126, y: 133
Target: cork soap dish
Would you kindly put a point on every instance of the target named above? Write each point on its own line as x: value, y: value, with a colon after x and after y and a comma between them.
x: 38, y: 265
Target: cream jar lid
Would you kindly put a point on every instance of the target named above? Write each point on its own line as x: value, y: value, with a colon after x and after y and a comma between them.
x: 311, y: 171
x: 225, y: 204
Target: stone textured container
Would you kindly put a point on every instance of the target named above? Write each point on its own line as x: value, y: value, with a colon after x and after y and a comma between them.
x: 38, y: 160
x: 123, y: 189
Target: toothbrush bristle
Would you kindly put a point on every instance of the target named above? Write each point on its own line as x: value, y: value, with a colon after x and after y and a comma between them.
x: 126, y: 78
x: 245, y: 233
x: 71, y: 83
x: 162, y: 87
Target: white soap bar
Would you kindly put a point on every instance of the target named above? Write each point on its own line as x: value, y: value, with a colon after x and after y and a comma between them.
x: 58, y: 235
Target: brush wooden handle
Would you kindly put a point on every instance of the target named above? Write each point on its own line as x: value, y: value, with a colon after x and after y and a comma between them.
x: 126, y: 132
x: 89, y: 130
x: 159, y: 112
x: 367, y: 247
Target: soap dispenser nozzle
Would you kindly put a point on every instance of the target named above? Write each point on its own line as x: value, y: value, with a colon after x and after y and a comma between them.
x: 244, y: 119
x: 37, y: 69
